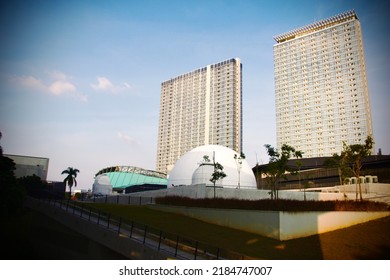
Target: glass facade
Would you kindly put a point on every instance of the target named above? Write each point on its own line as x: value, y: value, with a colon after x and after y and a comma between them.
x: 28, y: 166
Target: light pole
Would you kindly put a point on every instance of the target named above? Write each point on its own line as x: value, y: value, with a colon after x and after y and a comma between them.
x: 239, y: 166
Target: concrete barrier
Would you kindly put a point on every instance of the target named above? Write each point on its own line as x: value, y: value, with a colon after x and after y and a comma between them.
x: 201, y: 191
x: 276, y: 224
x: 296, y: 225
x: 374, y: 192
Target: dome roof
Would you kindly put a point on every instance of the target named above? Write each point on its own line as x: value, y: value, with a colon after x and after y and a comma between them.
x: 102, y: 185
x: 202, y: 175
x: 102, y: 180
x: 187, y: 169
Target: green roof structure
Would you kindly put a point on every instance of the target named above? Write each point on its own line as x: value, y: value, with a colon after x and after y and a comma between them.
x: 122, y: 177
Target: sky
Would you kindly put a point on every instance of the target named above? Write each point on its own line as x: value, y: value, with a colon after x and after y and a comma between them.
x: 80, y: 80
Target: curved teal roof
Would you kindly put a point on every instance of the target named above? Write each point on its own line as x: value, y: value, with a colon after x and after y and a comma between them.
x: 127, y: 176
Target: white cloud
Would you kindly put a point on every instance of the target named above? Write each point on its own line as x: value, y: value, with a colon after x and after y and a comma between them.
x: 128, y: 139
x: 104, y: 84
x: 59, y: 87
x: 29, y: 82
x: 57, y: 75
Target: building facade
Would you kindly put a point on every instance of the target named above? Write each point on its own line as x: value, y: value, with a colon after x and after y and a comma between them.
x: 321, y: 86
x: 29, y: 166
x: 200, y: 108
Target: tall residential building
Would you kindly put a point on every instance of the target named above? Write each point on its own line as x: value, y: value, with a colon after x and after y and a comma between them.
x: 321, y: 86
x: 200, y: 108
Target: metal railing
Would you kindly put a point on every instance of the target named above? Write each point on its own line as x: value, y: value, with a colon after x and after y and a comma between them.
x: 122, y: 199
x: 176, y: 246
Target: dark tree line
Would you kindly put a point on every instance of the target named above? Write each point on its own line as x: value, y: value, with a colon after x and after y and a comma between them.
x: 11, y: 193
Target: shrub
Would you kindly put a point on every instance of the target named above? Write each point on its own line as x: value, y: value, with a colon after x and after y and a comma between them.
x: 275, y: 205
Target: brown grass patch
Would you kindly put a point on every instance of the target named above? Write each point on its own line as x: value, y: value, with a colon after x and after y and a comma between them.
x: 275, y: 205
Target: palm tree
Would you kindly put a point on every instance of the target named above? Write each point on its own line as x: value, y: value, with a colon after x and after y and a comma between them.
x: 70, y: 179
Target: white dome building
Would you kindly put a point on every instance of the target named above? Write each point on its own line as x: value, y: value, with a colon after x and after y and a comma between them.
x: 102, y: 185
x: 189, y: 171
x: 202, y: 175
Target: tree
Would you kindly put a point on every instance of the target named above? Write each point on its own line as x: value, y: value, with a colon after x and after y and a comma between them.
x: 353, y: 156
x: 206, y: 159
x: 277, y: 167
x: 218, y: 173
x: 34, y: 186
x: 344, y: 171
x: 70, y: 179
x: 12, y: 195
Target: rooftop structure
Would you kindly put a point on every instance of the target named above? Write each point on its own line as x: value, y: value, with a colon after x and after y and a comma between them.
x: 122, y: 177
x: 320, y: 25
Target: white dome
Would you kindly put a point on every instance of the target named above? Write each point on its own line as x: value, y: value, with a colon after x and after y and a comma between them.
x: 202, y: 175
x: 102, y: 185
x: 186, y: 170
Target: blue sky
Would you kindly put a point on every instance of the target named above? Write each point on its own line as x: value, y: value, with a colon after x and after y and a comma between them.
x: 80, y: 80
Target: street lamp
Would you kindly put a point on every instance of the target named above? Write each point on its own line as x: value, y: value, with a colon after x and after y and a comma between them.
x: 238, y: 160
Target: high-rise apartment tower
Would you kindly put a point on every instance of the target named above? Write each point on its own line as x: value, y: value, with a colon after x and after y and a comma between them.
x: 199, y: 108
x: 321, y: 86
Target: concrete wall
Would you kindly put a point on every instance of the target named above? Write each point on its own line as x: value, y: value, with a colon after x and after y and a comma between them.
x: 274, y: 224
x: 295, y: 225
x: 369, y: 188
x: 265, y: 223
x: 201, y: 191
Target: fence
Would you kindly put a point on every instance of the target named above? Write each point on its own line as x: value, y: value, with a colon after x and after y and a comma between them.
x: 122, y: 199
x: 172, y: 244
